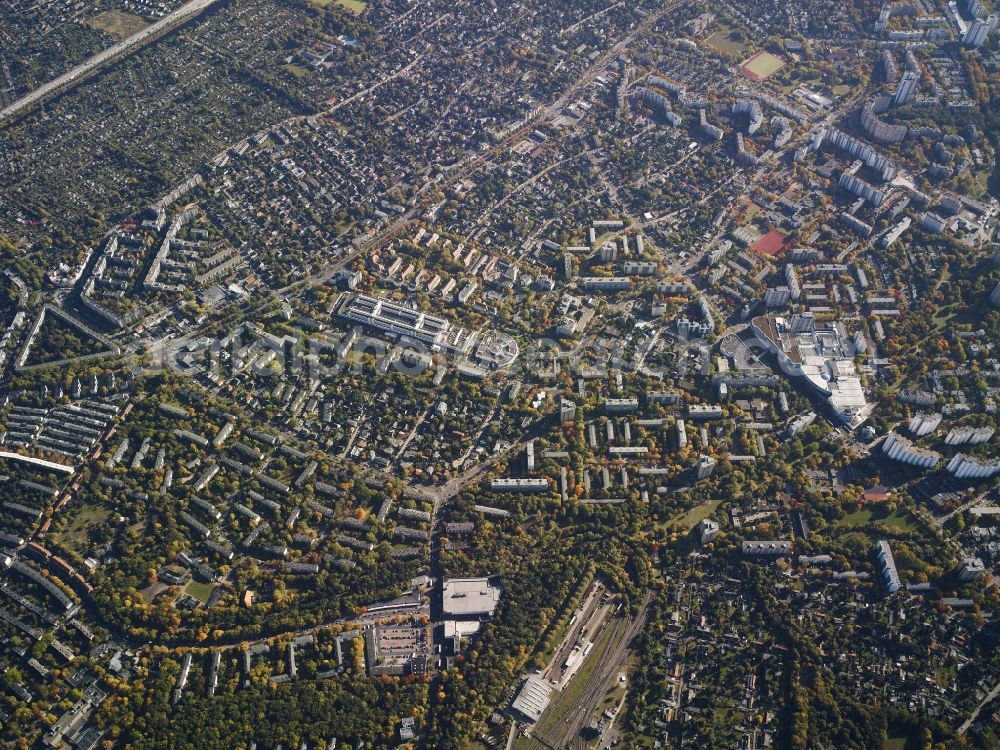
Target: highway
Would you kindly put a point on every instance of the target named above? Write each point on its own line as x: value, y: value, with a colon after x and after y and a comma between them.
x: 90, y: 66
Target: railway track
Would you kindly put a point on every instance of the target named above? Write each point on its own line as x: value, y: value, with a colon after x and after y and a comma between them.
x: 569, y: 734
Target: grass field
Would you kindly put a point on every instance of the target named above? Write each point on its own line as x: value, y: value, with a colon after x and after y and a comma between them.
x: 355, y: 6
x: 689, y: 518
x: 296, y: 70
x: 878, y: 515
x: 77, y: 530
x: 725, y: 41
x: 200, y: 591
x: 118, y: 24
x: 762, y: 65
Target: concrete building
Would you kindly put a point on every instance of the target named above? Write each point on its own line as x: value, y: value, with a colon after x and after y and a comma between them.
x: 567, y: 410
x: 513, y: 484
x: 979, y: 30
x: 391, y: 317
x: 621, y: 405
x: 968, y: 435
x: 894, y: 233
x: 682, y: 438
x: 751, y: 108
x: 771, y: 548
x: 856, y: 186
x: 532, y: 699
x: 777, y: 296
x: 900, y: 449
x: 470, y: 597
x: 705, y: 466
x: 923, y: 424
x: 887, y: 567
x: 708, y: 530
x: 906, y: 89
x: 793, y: 282
x: 932, y: 222
x: 704, y: 411
x: 967, y: 467
x: 606, y: 285
x: 970, y: 569
x: 823, y: 357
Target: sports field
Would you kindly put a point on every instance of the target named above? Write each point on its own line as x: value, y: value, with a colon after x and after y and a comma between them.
x: 762, y: 65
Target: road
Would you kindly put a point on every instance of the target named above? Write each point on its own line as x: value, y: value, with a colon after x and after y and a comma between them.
x: 975, y: 714
x: 90, y: 66
x: 977, y: 500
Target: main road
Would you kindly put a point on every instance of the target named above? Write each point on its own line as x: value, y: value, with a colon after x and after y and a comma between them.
x: 90, y: 66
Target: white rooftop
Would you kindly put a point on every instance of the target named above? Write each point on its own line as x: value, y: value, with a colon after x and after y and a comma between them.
x: 532, y: 698
x: 470, y: 596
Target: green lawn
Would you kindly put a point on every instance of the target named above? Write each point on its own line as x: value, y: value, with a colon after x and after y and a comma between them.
x: 878, y: 515
x: 200, y: 591
x: 354, y: 6
x: 296, y: 70
x: 119, y: 25
x: 690, y: 518
x: 723, y: 41
x: 75, y: 534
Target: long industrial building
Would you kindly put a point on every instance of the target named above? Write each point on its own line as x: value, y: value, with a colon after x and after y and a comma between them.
x: 391, y: 317
x: 436, y: 333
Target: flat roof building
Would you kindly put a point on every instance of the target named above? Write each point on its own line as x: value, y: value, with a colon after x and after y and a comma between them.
x: 532, y: 699
x: 887, y: 567
x: 470, y: 597
x: 769, y: 548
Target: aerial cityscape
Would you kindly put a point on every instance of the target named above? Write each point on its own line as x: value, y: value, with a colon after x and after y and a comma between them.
x: 490, y: 374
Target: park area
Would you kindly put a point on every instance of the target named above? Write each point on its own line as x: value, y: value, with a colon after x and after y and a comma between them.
x: 354, y: 6
x: 120, y: 25
x: 728, y: 40
x: 762, y: 66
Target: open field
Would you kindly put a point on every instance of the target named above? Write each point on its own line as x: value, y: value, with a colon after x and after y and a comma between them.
x: 296, y: 70
x: 725, y: 41
x: 118, y: 24
x: 761, y: 66
x: 354, y: 6
x: 878, y: 515
x: 75, y: 535
x: 689, y: 518
x: 200, y: 591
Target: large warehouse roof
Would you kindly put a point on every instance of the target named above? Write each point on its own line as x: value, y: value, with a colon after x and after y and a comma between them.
x: 470, y: 596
